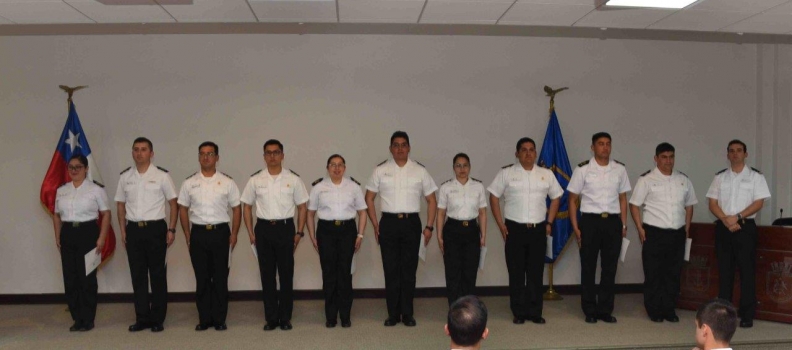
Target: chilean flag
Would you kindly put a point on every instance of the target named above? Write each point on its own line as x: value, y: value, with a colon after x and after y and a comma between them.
x: 72, y: 141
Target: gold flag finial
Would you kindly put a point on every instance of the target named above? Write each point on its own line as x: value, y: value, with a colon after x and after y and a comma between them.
x: 550, y: 92
x: 71, y: 90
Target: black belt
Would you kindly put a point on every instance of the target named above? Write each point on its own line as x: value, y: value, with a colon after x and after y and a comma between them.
x: 663, y: 229
x: 743, y: 221
x: 529, y: 225
x: 399, y: 215
x: 277, y: 222
x: 145, y: 223
x: 78, y: 223
x: 600, y: 215
x: 337, y: 222
x: 211, y: 227
x: 464, y: 223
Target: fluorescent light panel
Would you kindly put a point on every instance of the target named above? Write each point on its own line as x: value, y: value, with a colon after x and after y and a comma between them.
x: 666, y: 4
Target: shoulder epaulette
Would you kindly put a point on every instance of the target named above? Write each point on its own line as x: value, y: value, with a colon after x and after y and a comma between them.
x: 506, y: 166
x: 419, y: 163
x: 444, y: 182
x: 584, y: 163
x: 383, y: 162
x: 292, y: 171
x: 355, y: 181
x: 163, y: 169
x: 228, y: 176
x: 125, y: 170
x: 98, y: 184
x: 475, y: 179
x: 646, y: 173
x: 618, y: 162
x: 756, y: 170
x: 317, y: 181
x: 193, y: 174
x: 682, y: 173
x: 721, y: 172
x: 256, y: 173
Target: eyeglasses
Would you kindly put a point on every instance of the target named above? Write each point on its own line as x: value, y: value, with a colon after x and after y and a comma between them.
x: 207, y: 154
x: 272, y: 153
x: 461, y: 166
x: 336, y: 165
x: 76, y: 167
x: 400, y: 145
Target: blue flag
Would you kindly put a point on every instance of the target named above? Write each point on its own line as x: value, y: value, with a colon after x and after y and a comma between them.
x: 554, y: 157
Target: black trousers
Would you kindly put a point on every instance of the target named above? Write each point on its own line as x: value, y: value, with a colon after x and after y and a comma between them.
x: 525, y: 256
x: 663, y: 255
x: 80, y: 289
x: 275, y: 246
x: 600, y: 238
x: 336, y: 249
x: 209, y: 256
x: 146, y: 247
x: 737, y: 250
x: 462, y: 248
x: 399, y: 239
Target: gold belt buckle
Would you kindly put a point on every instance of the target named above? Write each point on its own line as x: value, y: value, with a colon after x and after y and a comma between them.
x: 604, y: 215
x: 273, y: 222
x: 75, y: 224
x: 400, y: 216
x: 210, y: 227
x: 141, y: 224
x: 337, y: 222
x: 465, y: 223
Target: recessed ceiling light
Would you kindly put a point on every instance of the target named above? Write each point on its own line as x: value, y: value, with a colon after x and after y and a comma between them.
x: 666, y: 4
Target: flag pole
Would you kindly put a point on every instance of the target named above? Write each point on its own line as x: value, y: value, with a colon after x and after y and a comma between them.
x: 551, y: 294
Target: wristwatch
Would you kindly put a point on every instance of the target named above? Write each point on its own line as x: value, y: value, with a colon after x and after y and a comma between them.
x: 549, y: 223
x: 301, y: 234
x: 172, y: 230
x: 739, y: 216
x: 430, y: 228
x: 360, y: 236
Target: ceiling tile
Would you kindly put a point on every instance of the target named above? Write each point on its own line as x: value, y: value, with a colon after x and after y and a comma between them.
x: 523, y: 13
x: 753, y: 6
x: 471, y: 12
x: 380, y: 11
x: 295, y: 10
x: 39, y: 12
x: 768, y: 23
x: 623, y: 18
x: 785, y: 8
x: 149, y: 13
x: 591, y: 3
x: 700, y: 20
x: 212, y: 11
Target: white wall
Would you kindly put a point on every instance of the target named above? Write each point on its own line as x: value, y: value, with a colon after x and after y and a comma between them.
x: 322, y: 94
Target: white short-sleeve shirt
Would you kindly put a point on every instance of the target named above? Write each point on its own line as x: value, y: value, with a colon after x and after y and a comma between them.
x: 664, y: 198
x: 78, y: 204
x: 462, y: 202
x: 144, y: 195
x: 209, y: 198
x: 275, y: 197
x: 401, y: 188
x: 526, y: 192
x: 336, y: 202
x: 736, y: 191
x: 599, y: 187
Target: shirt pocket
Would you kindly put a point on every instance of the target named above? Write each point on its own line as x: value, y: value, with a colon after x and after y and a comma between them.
x: 286, y: 197
x: 262, y: 191
x: 151, y: 187
x: 515, y: 188
x: 414, y: 185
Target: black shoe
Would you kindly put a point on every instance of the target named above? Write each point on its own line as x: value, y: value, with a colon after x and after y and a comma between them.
x: 330, y: 324
x: 286, y: 325
x: 746, y: 323
x: 518, y: 320
x: 391, y: 321
x: 139, y: 326
x: 608, y: 319
x: 538, y: 320
x: 157, y: 327
x: 672, y: 318
x: 656, y: 319
x: 346, y: 323
x: 591, y: 319
x: 201, y: 327
x: 86, y: 327
x: 221, y: 327
x: 270, y: 326
x: 75, y: 327
x: 408, y: 321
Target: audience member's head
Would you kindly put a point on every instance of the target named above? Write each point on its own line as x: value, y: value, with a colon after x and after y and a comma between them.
x: 716, y: 322
x: 467, y: 323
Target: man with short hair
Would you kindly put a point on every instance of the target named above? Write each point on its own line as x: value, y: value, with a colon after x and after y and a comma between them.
x: 667, y: 199
x: 204, y: 200
x: 140, y: 202
x: 602, y: 186
x: 716, y: 322
x: 524, y: 189
x: 467, y: 323
x: 401, y: 182
x: 277, y: 193
x: 735, y: 196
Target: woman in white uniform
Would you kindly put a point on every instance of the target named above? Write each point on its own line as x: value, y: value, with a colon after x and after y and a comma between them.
x: 336, y: 200
x: 463, y: 202
x: 77, y: 206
